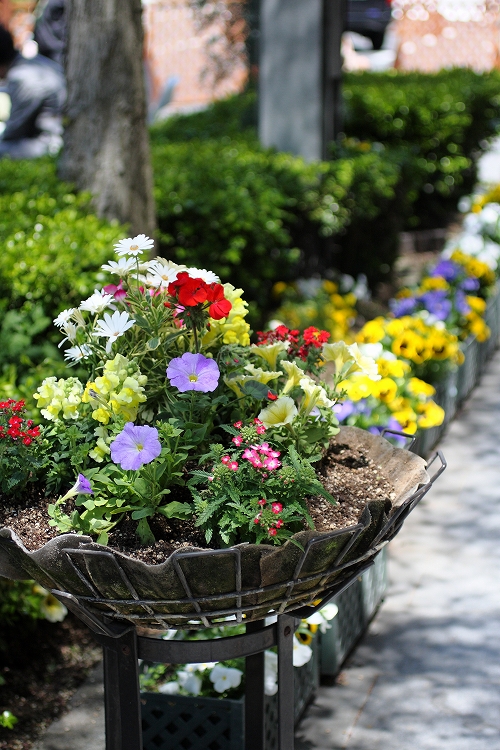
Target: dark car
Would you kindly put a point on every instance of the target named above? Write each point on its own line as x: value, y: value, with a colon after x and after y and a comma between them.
x: 369, y: 18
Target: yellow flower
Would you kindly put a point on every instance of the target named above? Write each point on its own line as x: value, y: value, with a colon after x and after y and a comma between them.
x: 478, y: 327
x: 407, y: 419
x: 279, y: 413
x: 433, y: 282
x: 476, y: 303
x: 262, y: 376
x: 357, y: 387
x: 330, y: 287
x: 59, y: 399
x: 372, y: 332
x: 419, y: 387
x: 295, y: 374
x: 314, y: 395
x: 270, y: 352
x: 120, y: 391
x: 431, y: 415
x: 385, y: 390
x: 233, y: 329
x: 237, y: 383
x: 393, y: 368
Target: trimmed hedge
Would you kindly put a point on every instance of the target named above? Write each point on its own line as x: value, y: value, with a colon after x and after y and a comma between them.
x: 439, y: 123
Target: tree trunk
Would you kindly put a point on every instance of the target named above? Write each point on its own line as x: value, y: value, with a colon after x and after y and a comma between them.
x: 106, y: 146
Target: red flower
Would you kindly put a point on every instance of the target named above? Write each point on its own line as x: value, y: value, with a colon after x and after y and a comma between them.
x: 272, y: 532
x: 276, y: 508
x: 271, y: 396
x: 220, y: 307
x: 315, y: 337
x: 189, y: 292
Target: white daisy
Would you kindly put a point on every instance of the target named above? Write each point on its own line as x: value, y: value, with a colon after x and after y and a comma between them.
x: 70, y: 330
x: 113, y: 326
x: 209, y: 277
x: 76, y: 353
x: 64, y: 317
x: 134, y: 245
x: 120, y: 267
x: 97, y: 302
x: 161, y: 274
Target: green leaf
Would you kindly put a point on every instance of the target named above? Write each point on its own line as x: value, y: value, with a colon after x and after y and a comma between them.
x: 255, y: 389
x: 153, y: 343
x: 176, y: 510
x: 143, y: 513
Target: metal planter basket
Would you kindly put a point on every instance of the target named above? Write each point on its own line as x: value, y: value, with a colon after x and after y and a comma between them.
x: 175, y: 722
x: 201, y: 588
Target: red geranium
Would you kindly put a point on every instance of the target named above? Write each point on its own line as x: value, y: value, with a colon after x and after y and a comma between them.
x: 220, y: 307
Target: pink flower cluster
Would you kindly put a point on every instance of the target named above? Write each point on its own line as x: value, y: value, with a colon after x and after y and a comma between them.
x: 276, y: 508
x: 262, y: 457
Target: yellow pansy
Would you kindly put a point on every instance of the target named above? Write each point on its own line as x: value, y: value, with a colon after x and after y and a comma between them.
x: 476, y: 303
x: 433, y: 282
x: 407, y: 419
x: 419, y: 387
x: 431, y: 415
x: 393, y: 368
x: 385, y: 390
x: 357, y: 387
x: 372, y: 332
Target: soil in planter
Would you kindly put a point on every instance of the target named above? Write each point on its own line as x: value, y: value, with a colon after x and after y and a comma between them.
x: 42, y: 666
x: 346, y: 472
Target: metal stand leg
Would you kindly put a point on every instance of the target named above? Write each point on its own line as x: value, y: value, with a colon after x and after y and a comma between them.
x: 121, y: 692
x: 286, y: 719
x: 254, y: 695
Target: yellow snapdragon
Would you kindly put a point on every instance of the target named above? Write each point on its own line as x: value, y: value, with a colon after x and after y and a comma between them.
x: 234, y: 329
x: 119, y: 391
x: 59, y: 399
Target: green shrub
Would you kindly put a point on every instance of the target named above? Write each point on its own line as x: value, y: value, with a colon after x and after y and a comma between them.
x: 52, y: 250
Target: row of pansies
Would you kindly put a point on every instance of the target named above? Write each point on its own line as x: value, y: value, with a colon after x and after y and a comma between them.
x: 421, y: 345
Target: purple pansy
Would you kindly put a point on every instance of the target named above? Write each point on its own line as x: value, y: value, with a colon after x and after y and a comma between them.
x: 135, y: 446
x: 193, y: 372
x: 404, y: 306
x: 392, y: 424
x: 470, y: 284
x: 461, y: 303
x: 344, y: 410
x: 447, y: 269
x: 437, y: 303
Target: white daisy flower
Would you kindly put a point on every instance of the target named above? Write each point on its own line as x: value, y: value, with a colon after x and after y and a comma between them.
x: 97, y: 302
x: 64, y: 317
x: 120, y: 267
x: 161, y: 275
x: 76, y: 353
x: 134, y: 245
x: 209, y: 277
x: 70, y: 330
x: 113, y: 326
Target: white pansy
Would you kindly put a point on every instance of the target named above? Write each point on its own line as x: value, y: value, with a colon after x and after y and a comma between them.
x: 70, y: 330
x: 64, y: 317
x: 270, y: 673
x: 301, y: 653
x: 134, y: 245
x: 113, y: 326
x: 224, y: 678
x: 189, y: 681
x: 120, y: 267
x: 76, y: 353
x: 323, y: 616
x: 52, y: 609
x: 329, y: 611
x: 97, y: 302
x: 169, y: 688
x: 209, y: 277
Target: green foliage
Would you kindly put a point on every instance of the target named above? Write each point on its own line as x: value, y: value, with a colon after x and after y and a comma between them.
x: 437, y: 123
x: 18, y: 600
x: 52, y: 249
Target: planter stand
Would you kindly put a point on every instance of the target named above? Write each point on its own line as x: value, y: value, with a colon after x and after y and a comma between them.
x: 122, y: 648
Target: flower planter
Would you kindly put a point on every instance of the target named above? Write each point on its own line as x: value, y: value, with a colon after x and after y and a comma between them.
x: 357, y: 606
x: 174, y: 722
x: 468, y: 372
x: 200, y: 588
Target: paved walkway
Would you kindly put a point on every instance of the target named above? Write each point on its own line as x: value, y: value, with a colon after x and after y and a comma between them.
x: 427, y: 677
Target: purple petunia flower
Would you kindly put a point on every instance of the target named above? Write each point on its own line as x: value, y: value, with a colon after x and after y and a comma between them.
x: 193, y: 372
x: 404, y: 306
x: 135, y: 446
x: 447, y: 269
x: 82, y: 486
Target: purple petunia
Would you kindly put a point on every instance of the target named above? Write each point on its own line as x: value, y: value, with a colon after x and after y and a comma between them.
x: 135, y: 446
x: 193, y: 372
x: 82, y: 486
